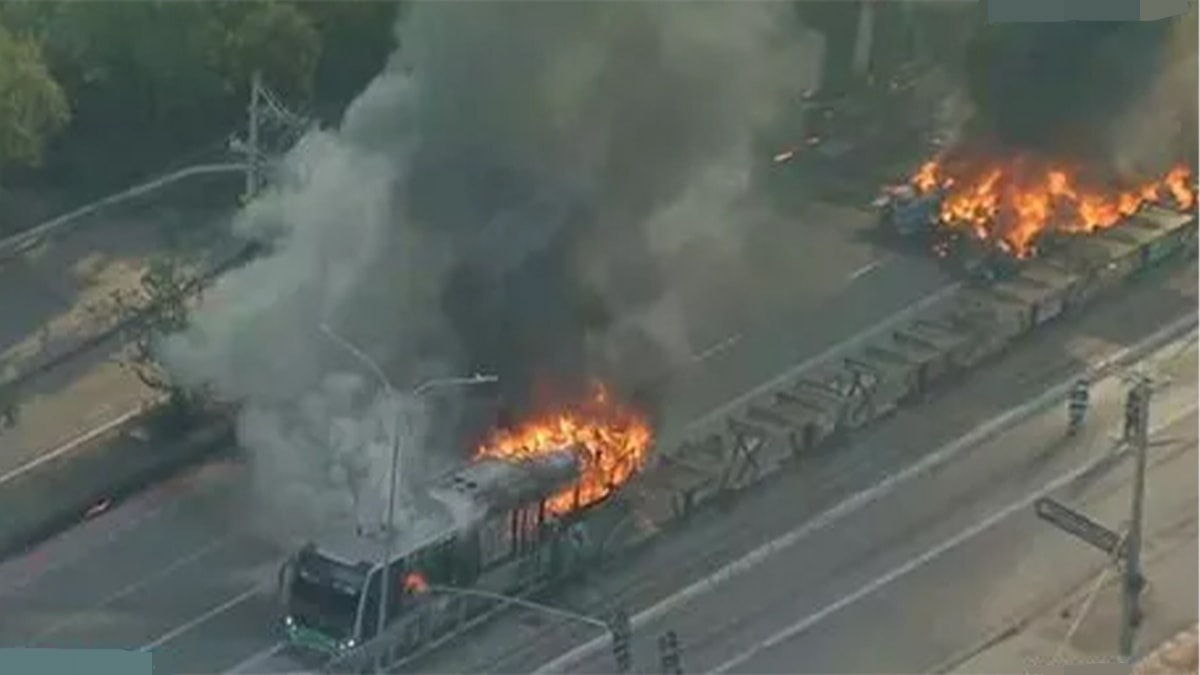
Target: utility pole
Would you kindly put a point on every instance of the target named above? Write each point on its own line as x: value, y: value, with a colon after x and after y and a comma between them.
x: 270, y: 129
x: 253, y: 151
x: 1137, y: 415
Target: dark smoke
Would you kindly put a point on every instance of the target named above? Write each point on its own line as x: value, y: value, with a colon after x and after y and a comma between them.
x: 554, y: 137
x: 1064, y: 90
x: 501, y: 199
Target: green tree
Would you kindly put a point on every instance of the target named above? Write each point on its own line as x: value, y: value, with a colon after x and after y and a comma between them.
x: 356, y: 39
x: 32, y: 105
x: 164, y: 56
x: 152, y: 79
x: 277, y: 39
x: 156, y: 309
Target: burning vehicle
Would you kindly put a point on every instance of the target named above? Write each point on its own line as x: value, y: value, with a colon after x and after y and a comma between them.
x: 987, y: 216
x: 510, y: 519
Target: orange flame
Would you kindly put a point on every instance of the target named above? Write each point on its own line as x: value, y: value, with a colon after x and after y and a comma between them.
x: 1013, y: 206
x: 615, y: 442
x: 414, y: 582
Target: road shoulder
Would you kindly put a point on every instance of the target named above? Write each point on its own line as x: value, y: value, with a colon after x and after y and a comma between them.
x: 1081, y: 632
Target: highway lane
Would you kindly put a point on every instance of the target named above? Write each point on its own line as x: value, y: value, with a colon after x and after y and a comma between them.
x: 141, y: 576
x: 521, y: 642
x: 926, y: 609
x: 1011, y: 571
x: 812, y: 606
x: 183, y: 570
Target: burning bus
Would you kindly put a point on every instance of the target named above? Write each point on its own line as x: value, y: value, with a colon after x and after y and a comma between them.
x: 987, y: 215
x: 507, y: 520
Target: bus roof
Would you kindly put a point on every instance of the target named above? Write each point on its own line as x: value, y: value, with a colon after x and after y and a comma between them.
x: 351, y: 547
x: 474, y: 491
x: 492, y: 484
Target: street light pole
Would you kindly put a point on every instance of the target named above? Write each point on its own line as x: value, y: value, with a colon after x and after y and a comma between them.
x: 393, y: 472
x: 1138, y: 414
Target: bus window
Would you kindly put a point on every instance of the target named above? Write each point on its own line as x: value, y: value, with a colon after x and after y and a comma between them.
x: 468, y: 554
x: 437, y: 563
x: 322, y: 605
x: 370, y: 607
x: 525, y: 528
x: 495, y: 542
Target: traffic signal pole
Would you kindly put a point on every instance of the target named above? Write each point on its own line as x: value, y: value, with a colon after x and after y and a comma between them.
x: 668, y: 654
x: 621, y: 630
x: 1137, y: 418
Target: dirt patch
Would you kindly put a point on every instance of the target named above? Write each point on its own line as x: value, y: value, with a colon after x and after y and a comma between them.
x: 45, y: 422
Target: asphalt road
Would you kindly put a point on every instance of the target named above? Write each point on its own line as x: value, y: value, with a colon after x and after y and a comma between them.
x: 56, y: 300
x: 842, y: 555
x: 182, y: 570
x: 939, y: 566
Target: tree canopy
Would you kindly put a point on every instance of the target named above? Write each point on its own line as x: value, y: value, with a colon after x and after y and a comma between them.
x: 32, y: 104
x: 143, y: 76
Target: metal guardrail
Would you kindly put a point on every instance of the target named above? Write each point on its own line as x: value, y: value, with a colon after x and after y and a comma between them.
x: 31, y: 238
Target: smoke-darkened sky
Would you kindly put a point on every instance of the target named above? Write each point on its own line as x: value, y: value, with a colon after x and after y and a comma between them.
x: 1067, y: 90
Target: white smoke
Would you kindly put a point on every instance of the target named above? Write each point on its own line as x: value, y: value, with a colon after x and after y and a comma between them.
x: 648, y: 110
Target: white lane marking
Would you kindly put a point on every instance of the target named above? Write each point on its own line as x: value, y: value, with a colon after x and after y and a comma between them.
x: 953, y: 542
x: 767, y: 387
x: 142, y: 583
x: 32, y: 571
x: 256, y: 658
x: 215, y: 611
x: 865, y: 269
x: 73, y: 444
x: 717, y: 348
x: 865, y: 497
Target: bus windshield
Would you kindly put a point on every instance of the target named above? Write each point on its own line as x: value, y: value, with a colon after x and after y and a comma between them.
x: 324, y: 597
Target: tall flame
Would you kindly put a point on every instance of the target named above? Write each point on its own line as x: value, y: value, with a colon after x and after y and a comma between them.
x: 1012, y: 204
x: 615, y: 441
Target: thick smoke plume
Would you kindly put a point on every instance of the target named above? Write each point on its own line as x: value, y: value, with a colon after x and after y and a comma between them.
x: 1109, y: 96
x: 500, y: 199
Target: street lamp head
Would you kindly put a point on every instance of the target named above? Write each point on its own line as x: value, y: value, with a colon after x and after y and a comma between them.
x: 479, y: 378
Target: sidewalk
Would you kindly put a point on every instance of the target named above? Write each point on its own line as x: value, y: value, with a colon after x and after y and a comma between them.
x: 1078, y: 635
x: 1046, y: 646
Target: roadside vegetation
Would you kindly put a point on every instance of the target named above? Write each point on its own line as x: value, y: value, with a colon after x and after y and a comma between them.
x: 96, y: 94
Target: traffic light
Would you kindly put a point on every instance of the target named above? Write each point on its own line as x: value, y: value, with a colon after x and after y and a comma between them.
x: 621, y: 630
x: 1135, y: 412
